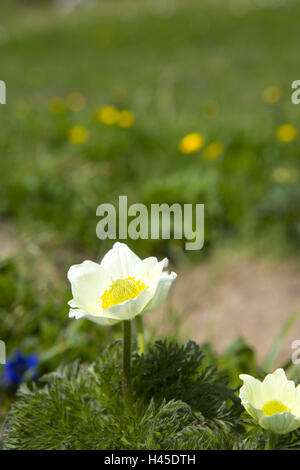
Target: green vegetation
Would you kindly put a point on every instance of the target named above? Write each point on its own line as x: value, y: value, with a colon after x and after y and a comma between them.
x: 201, y: 69
x: 183, y: 406
x: 213, y: 68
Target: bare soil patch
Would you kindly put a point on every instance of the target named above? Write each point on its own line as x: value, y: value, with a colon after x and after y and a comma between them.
x: 236, y: 296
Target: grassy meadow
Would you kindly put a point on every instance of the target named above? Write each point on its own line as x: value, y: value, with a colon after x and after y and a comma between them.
x: 99, y: 99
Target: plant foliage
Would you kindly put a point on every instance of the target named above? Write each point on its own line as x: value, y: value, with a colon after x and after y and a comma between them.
x: 81, y: 407
x: 177, y: 403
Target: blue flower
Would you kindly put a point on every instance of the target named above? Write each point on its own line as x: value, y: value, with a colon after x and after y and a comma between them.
x: 19, y: 367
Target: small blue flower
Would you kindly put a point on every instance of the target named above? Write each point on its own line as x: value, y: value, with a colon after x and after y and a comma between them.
x: 19, y: 367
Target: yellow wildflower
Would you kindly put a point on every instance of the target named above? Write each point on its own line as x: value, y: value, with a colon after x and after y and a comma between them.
x: 191, y: 143
x: 126, y: 119
x: 213, y: 150
x: 108, y: 115
x: 271, y: 94
x: 78, y: 135
x: 287, y: 133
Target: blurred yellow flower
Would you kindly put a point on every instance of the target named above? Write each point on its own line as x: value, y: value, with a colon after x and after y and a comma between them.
x: 284, y: 175
x: 78, y: 135
x: 108, y: 115
x: 57, y: 105
x: 191, y: 143
x: 126, y: 119
x: 287, y: 133
x: 213, y: 150
x: 76, y: 101
x: 271, y: 94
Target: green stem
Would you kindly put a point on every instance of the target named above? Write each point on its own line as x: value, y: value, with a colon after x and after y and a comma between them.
x: 127, y: 362
x: 141, y: 340
x: 271, y: 442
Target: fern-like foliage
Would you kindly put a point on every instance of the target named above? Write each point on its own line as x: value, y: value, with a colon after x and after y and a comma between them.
x: 177, y: 403
x: 171, y: 371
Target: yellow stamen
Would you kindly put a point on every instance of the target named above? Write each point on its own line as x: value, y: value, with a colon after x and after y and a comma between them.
x: 121, y: 290
x: 274, y: 406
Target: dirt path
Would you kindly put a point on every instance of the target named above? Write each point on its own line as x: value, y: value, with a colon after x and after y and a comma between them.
x: 234, y: 295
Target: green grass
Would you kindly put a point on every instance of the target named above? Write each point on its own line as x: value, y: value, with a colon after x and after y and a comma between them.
x: 164, y: 61
x: 164, y: 68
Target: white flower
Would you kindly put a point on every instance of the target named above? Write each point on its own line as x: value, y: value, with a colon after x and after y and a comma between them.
x: 119, y: 288
x: 274, y: 403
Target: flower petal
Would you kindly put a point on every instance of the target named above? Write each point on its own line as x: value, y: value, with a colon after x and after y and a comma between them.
x: 149, y: 271
x: 280, y: 423
x: 88, y: 280
x: 130, y: 308
x: 276, y: 386
x: 256, y: 413
x: 250, y: 392
x: 78, y: 313
x: 120, y: 261
x: 161, y: 292
x: 296, y: 408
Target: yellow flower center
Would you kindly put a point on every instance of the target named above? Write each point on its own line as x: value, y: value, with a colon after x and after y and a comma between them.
x: 121, y: 290
x: 274, y: 406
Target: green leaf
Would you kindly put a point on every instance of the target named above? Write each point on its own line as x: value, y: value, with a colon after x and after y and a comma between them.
x: 279, y: 342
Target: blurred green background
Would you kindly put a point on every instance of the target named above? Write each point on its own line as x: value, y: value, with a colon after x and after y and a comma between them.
x: 99, y: 96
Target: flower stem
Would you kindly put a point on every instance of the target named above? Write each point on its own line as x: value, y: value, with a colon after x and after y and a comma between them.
x: 141, y: 340
x: 271, y: 442
x: 127, y: 362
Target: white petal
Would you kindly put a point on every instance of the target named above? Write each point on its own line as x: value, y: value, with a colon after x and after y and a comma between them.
x: 296, y: 408
x: 256, y: 413
x: 250, y: 392
x: 120, y: 261
x: 280, y: 423
x: 88, y: 280
x: 161, y: 292
x: 130, y: 308
x: 276, y: 386
x: 78, y: 313
x: 150, y: 271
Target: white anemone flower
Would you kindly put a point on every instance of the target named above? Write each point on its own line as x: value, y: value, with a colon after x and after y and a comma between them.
x: 274, y: 403
x: 119, y: 288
